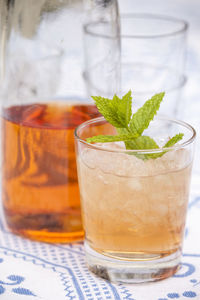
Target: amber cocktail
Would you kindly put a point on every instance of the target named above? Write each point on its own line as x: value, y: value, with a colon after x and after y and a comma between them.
x: 133, y: 205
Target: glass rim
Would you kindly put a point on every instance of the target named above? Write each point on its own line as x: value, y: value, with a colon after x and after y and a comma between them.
x: 147, y: 16
x: 144, y: 151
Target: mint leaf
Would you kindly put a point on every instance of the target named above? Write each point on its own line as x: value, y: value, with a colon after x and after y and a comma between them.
x: 116, y: 111
x: 111, y: 138
x: 123, y: 108
x: 141, y: 119
x: 123, y: 131
x: 142, y: 143
x: 105, y: 108
x: 175, y: 139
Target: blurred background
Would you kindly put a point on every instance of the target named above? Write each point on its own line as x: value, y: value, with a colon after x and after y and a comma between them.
x: 188, y: 10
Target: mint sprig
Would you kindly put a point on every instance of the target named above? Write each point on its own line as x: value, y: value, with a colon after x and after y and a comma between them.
x: 118, y: 112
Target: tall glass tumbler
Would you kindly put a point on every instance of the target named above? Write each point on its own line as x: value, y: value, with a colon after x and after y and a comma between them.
x: 153, y: 52
x: 134, y: 202
x: 152, y: 59
x: 43, y: 99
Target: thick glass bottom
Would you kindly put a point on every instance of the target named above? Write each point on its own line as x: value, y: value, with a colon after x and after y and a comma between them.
x: 132, y: 271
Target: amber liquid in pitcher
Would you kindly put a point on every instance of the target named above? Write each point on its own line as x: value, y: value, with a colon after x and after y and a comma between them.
x: 39, y: 179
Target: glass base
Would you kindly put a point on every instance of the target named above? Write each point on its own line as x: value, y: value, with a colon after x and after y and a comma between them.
x: 131, y: 271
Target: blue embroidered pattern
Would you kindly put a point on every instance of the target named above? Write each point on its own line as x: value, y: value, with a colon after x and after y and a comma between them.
x: 186, y: 294
x: 14, y: 280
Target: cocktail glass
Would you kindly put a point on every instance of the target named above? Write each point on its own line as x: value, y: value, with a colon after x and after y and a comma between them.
x: 133, y: 204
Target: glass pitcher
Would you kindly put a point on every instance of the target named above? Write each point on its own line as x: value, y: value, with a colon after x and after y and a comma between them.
x: 44, y: 98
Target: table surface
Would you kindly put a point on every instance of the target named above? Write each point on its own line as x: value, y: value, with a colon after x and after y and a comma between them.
x: 33, y: 270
